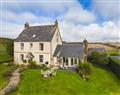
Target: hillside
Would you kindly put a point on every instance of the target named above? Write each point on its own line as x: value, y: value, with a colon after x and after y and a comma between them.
x: 6, y: 50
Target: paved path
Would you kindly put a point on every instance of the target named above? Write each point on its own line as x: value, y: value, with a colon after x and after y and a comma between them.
x: 14, y: 80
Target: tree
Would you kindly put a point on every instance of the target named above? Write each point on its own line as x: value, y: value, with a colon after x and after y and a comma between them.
x: 99, y: 58
x: 9, y: 47
x: 84, y: 69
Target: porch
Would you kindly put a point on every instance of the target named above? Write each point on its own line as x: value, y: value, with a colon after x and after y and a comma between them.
x: 67, y: 61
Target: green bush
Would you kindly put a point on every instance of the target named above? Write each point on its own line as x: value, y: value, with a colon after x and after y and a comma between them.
x: 114, y: 65
x: 46, y: 62
x: 33, y: 65
x: 99, y: 58
x: 11, y: 64
x: 84, y: 69
x: 29, y: 61
x: 44, y: 67
x: 9, y: 72
x: 24, y: 61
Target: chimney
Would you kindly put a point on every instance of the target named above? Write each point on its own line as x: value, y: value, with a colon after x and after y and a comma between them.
x: 26, y: 25
x: 85, y: 48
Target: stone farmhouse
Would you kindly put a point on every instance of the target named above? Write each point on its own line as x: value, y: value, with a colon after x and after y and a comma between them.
x: 44, y: 44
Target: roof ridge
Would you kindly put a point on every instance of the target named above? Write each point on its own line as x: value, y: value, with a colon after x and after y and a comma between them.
x: 41, y: 26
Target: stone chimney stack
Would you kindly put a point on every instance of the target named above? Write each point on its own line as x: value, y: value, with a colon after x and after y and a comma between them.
x: 85, y: 52
x: 26, y: 25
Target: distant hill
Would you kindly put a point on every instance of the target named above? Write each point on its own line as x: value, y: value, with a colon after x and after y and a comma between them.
x: 6, y: 49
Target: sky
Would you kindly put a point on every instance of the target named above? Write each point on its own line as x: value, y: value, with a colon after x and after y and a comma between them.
x: 95, y: 20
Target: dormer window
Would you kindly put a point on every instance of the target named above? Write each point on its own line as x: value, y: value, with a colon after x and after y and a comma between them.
x: 31, y: 45
x: 22, y: 46
x: 34, y: 36
x: 41, y: 46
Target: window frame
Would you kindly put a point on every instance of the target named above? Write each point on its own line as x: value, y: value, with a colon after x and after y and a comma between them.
x: 22, y: 46
x: 41, y: 46
x: 21, y: 57
x: 41, y: 58
x: 66, y: 60
x: 75, y: 60
x: 31, y: 45
x: 72, y: 61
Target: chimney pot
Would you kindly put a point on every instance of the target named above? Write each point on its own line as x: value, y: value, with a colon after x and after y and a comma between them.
x: 26, y: 25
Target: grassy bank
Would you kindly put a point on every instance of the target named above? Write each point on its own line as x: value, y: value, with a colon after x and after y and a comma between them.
x: 5, y: 74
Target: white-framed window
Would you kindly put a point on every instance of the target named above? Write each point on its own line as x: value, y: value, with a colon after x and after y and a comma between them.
x: 71, y: 61
x: 63, y: 59
x: 22, y: 46
x: 31, y: 45
x: 41, y: 46
x: 21, y: 57
x: 66, y: 61
x: 40, y: 58
x: 75, y: 61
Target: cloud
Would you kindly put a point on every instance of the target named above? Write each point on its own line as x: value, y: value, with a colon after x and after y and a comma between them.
x: 78, y: 15
x: 107, y: 9
x: 43, y: 7
x: 10, y: 30
x: 93, y: 32
x: 75, y: 22
x: 20, y: 18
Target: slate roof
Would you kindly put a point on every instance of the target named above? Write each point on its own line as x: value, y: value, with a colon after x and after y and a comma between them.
x: 69, y: 50
x: 37, y: 34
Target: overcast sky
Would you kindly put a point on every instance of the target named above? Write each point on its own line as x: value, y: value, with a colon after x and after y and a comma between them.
x: 95, y: 20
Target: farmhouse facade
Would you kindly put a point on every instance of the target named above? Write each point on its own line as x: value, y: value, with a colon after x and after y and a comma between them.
x: 44, y: 44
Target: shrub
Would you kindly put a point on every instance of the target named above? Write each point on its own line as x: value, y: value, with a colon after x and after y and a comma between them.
x: 46, y: 62
x: 21, y: 65
x: 24, y: 61
x: 8, y: 72
x: 33, y: 65
x: 44, y: 67
x: 114, y: 65
x: 84, y: 69
x: 99, y: 58
x: 29, y: 61
x: 11, y: 64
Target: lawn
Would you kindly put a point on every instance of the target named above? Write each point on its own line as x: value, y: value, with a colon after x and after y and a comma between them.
x: 102, y: 82
x: 3, y: 69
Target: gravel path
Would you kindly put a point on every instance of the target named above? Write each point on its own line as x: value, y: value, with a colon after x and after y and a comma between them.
x: 14, y: 80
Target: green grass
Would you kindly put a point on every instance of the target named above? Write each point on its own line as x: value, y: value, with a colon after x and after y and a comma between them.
x: 114, y: 52
x: 3, y: 81
x: 116, y: 60
x: 102, y: 82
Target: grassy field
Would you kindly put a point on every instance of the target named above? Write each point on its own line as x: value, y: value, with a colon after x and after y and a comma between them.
x: 3, y: 69
x: 102, y: 82
x: 114, y: 52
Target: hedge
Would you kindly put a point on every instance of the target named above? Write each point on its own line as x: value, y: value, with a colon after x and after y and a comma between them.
x: 114, y: 65
x: 5, y: 61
